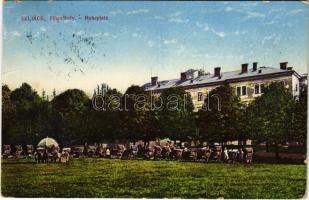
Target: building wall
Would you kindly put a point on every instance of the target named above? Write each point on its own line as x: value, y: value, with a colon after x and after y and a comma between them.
x: 295, y: 85
x: 289, y: 82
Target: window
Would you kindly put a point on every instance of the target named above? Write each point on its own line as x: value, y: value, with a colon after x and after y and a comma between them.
x: 238, y: 91
x: 296, y: 87
x: 244, y: 90
x: 200, y: 96
x: 241, y: 91
x: 262, y: 88
x: 257, y: 89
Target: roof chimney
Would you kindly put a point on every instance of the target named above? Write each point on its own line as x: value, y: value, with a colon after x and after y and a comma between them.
x: 201, y: 72
x: 254, y: 66
x: 244, y: 68
x: 154, y: 80
x: 283, y: 65
x: 183, y: 76
x: 217, y: 71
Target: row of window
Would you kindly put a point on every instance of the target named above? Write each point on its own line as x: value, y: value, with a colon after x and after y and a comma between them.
x: 240, y: 91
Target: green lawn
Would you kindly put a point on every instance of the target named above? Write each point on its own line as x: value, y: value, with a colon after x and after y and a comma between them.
x: 86, y: 177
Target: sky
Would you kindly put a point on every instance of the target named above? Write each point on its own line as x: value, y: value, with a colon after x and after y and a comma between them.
x: 144, y: 39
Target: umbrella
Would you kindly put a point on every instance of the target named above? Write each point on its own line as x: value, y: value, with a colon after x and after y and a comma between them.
x: 48, y: 142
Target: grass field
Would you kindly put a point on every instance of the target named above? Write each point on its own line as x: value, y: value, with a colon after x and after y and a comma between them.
x: 87, y: 177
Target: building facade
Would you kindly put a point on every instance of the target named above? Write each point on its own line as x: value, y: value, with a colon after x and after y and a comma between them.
x: 247, y: 82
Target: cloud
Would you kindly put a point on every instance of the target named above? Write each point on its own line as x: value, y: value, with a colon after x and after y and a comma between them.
x: 69, y: 21
x: 36, y: 34
x: 150, y: 43
x: 273, y: 20
x: 254, y: 14
x: 176, y: 17
x: 228, y: 9
x: 198, y: 24
x: 43, y: 29
x: 15, y: 33
x: 205, y: 26
x: 115, y: 12
x: 295, y: 12
x: 218, y: 33
x: 178, y: 20
x: 275, y: 10
x: 158, y: 17
x: 251, y: 15
x: 172, y: 41
x: 136, y: 35
x: 289, y: 24
x: 80, y: 33
x: 240, y: 32
x: 180, y: 49
x: 139, y: 11
x: 277, y: 40
x: 247, y: 4
x: 176, y: 14
x: 107, y: 34
x: 97, y: 34
x: 268, y: 38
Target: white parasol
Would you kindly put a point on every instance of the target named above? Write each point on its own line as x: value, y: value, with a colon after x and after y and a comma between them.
x: 48, y: 142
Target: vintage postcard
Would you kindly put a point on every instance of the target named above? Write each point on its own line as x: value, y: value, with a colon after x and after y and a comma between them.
x: 154, y: 99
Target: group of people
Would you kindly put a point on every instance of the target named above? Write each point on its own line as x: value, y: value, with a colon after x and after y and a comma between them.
x: 170, y: 152
x: 40, y: 154
x: 150, y: 152
x: 19, y: 152
x: 51, y: 154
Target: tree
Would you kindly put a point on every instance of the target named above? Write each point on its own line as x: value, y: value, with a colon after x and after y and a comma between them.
x: 138, y: 122
x: 8, y: 116
x: 270, y: 116
x: 27, y: 103
x: 299, y: 132
x: 221, y: 117
x: 176, y: 117
x: 104, y: 125
x: 70, y: 116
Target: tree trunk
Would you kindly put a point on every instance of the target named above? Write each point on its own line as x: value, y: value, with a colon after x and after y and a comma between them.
x: 277, y: 151
x: 267, y: 147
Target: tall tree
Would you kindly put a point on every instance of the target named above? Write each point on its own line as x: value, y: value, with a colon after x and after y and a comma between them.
x: 221, y: 117
x: 104, y: 125
x: 138, y: 121
x: 8, y: 116
x: 299, y: 132
x: 26, y: 101
x: 270, y: 116
x: 176, y: 117
x: 70, y: 110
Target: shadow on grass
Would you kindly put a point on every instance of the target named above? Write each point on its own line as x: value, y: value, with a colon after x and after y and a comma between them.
x: 270, y: 160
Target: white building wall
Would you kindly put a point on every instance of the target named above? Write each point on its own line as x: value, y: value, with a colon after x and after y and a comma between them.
x: 295, y: 86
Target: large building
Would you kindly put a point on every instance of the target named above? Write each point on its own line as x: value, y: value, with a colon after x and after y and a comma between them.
x: 248, y: 82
